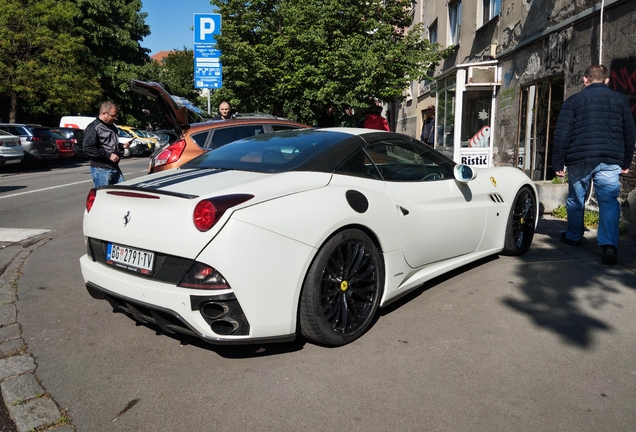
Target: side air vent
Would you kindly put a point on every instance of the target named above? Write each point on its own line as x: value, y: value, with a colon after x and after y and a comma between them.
x: 496, y: 198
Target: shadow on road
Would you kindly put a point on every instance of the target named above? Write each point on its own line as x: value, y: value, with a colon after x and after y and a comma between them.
x: 563, y: 286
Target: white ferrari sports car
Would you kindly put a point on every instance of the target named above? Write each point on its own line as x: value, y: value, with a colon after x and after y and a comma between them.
x: 302, y: 232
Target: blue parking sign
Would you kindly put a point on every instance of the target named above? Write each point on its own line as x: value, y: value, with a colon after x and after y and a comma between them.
x: 206, y: 26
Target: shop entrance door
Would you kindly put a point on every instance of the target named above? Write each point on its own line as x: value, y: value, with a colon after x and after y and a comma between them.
x: 539, y: 110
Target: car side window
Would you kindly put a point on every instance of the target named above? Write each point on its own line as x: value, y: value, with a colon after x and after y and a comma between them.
x: 358, y: 165
x: 16, y: 131
x: 222, y: 136
x: 201, y: 138
x: 406, y: 161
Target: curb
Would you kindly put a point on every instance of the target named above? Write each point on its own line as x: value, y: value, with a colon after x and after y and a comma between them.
x: 30, y: 406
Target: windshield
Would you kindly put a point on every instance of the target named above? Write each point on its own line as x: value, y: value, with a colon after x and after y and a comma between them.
x: 273, y: 152
x: 124, y: 134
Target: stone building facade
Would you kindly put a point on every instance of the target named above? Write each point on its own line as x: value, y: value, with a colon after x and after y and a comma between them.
x: 499, y: 95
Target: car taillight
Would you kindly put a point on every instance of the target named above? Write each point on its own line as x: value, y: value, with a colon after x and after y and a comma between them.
x: 208, y: 212
x: 170, y: 154
x: 201, y: 276
x: 90, y: 199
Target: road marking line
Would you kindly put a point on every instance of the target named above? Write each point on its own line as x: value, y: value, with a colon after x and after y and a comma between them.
x: 55, y: 187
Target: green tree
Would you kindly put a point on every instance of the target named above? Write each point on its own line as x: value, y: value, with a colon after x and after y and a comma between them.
x: 112, y: 31
x: 176, y: 73
x: 40, y: 60
x: 291, y: 58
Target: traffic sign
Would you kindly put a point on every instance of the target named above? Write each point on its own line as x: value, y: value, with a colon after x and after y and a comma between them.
x: 207, y: 59
x: 207, y: 66
x: 206, y: 26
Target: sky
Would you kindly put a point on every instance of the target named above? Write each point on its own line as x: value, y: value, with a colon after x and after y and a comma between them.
x: 171, y: 23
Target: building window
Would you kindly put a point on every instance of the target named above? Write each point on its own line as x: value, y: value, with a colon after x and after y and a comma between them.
x: 446, y: 112
x: 432, y: 33
x: 455, y: 19
x: 492, y: 8
x: 476, y: 111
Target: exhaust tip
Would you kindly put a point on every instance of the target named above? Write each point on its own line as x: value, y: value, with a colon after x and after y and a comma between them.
x: 214, y: 310
x: 224, y: 327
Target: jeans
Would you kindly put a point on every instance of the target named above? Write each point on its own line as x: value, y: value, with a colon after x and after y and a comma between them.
x: 607, y: 187
x: 106, y: 176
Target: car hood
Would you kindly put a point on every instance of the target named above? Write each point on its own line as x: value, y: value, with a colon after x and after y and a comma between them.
x: 178, y: 115
x: 157, y: 209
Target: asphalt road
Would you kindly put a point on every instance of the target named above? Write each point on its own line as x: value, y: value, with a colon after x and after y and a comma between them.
x: 542, y: 342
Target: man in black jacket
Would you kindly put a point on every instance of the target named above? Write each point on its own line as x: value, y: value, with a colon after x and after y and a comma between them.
x: 594, y: 138
x: 101, y: 145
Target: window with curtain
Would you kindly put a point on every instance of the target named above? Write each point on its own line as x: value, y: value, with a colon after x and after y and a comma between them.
x: 454, y: 20
x: 492, y: 8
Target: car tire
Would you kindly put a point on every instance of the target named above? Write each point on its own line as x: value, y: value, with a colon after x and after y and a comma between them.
x: 521, y: 223
x: 342, y: 289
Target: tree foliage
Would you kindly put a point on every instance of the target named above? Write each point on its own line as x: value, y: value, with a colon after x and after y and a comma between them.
x: 39, y: 58
x: 291, y: 58
x: 112, y: 31
x: 176, y: 73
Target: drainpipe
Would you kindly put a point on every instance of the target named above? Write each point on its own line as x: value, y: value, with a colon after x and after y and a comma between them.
x: 600, y: 53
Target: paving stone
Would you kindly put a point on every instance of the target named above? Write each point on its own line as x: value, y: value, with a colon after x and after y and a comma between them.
x: 8, y: 314
x: 20, y: 388
x: 16, y: 365
x: 8, y: 294
x: 10, y: 331
x: 11, y: 347
x: 35, y: 414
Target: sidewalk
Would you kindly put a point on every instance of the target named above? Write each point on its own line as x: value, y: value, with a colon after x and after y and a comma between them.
x: 553, y: 227
x: 28, y: 403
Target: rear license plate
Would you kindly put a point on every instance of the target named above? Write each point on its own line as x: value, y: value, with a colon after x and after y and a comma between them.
x: 135, y: 260
x: 49, y: 148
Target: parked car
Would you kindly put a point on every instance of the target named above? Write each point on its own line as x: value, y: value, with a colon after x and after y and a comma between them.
x: 64, y: 145
x: 76, y: 136
x: 10, y: 148
x: 165, y: 136
x: 138, y: 146
x: 141, y: 135
x: 307, y: 230
x: 195, y: 139
x: 37, y: 141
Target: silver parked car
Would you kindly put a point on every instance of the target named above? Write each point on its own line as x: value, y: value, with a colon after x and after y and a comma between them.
x: 37, y: 141
x: 10, y: 148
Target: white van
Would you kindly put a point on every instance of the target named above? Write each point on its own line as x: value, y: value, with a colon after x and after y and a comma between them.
x: 76, y: 122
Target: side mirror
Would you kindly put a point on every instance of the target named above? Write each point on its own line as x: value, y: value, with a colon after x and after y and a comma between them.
x: 464, y: 173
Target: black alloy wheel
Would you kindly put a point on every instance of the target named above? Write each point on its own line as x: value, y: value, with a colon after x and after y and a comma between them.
x: 342, y: 289
x: 521, y: 223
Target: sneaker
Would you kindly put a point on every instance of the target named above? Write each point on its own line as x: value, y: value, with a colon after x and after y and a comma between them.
x: 566, y: 240
x: 609, y: 255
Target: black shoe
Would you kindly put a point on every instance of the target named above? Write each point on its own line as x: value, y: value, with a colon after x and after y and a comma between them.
x: 609, y: 255
x: 566, y: 240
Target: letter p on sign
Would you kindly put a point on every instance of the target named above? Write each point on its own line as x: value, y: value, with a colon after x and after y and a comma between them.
x: 206, y: 26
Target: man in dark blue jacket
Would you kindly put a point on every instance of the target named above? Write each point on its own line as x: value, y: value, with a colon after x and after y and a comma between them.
x: 594, y: 138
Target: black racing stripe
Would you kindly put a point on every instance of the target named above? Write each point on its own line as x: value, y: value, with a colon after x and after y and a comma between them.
x: 176, y: 178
